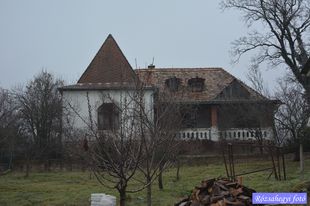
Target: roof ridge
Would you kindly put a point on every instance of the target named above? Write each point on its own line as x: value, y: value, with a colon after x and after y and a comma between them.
x: 179, y: 68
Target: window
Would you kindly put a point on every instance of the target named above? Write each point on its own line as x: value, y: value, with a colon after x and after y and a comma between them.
x: 173, y: 84
x: 108, y: 117
x: 196, y: 84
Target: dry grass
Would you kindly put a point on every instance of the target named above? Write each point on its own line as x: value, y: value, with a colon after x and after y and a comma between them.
x: 74, y: 188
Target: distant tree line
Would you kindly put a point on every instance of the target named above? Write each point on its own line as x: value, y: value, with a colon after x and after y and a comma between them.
x: 31, y: 122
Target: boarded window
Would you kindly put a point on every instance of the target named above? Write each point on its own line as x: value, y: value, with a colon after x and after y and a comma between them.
x: 108, y: 117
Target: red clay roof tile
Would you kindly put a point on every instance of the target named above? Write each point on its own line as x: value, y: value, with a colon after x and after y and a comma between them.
x: 108, y: 66
x: 216, y: 80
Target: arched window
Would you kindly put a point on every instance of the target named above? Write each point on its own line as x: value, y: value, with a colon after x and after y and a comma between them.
x: 108, y: 117
x: 173, y: 84
x: 196, y: 84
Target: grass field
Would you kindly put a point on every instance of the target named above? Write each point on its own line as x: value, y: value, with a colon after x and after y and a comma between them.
x: 74, y: 188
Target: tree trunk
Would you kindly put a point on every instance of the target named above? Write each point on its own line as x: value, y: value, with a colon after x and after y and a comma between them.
x: 261, y: 148
x: 160, y: 178
x: 70, y: 166
x: 11, y: 160
x: 49, y: 165
x: 149, y: 191
x: 260, y: 141
x: 122, y: 196
x: 27, y: 167
x: 306, y: 86
x: 301, y: 158
x: 296, y: 154
x: 178, y: 169
x: 61, y: 165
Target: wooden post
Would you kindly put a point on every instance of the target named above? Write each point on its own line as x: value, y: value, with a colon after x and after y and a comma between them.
x: 233, y: 163
x: 229, y: 161
x: 278, y: 162
x: 178, y: 169
x: 273, y: 164
x: 283, y: 165
x: 224, y: 158
x: 301, y: 160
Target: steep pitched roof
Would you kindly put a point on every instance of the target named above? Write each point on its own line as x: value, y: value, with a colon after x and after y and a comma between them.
x: 216, y: 80
x: 108, y: 66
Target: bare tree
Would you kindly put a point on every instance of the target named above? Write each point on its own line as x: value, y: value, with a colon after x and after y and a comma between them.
x: 6, y: 113
x: 113, y: 139
x: 8, y: 125
x: 285, y: 41
x: 255, y: 77
x: 141, y: 138
x: 41, y: 113
x: 292, y: 116
x: 159, y: 141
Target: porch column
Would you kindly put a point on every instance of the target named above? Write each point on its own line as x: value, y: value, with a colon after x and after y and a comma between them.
x: 214, y: 122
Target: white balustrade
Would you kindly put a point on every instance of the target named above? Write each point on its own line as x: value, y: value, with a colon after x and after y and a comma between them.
x: 228, y: 134
x: 195, y: 133
x: 246, y: 134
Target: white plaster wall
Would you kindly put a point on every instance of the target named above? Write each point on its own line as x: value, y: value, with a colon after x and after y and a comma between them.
x: 77, y: 103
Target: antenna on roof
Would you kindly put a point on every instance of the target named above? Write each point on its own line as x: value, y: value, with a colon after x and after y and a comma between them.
x: 136, y: 63
x: 151, y: 66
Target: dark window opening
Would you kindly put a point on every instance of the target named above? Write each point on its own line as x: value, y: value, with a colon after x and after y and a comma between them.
x: 173, y: 84
x: 189, y: 119
x: 108, y: 117
x: 196, y: 84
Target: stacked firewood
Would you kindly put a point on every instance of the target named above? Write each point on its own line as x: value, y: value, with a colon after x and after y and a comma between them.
x: 219, y: 192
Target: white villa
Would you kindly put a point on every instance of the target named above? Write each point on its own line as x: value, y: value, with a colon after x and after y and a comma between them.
x: 225, y: 107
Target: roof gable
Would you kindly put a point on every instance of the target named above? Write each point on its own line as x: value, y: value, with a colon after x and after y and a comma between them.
x: 234, y: 90
x: 108, y: 66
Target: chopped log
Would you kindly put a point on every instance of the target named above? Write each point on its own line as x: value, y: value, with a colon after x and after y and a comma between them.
x: 219, y: 192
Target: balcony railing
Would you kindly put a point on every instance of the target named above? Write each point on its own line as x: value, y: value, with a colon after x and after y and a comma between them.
x: 246, y: 134
x: 228, y: 134
x: 195, y: 133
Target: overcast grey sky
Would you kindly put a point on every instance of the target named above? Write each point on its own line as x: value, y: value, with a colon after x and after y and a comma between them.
x: 63, y: 36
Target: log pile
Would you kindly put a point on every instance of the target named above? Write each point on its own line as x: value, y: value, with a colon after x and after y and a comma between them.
x: 218, y: 192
